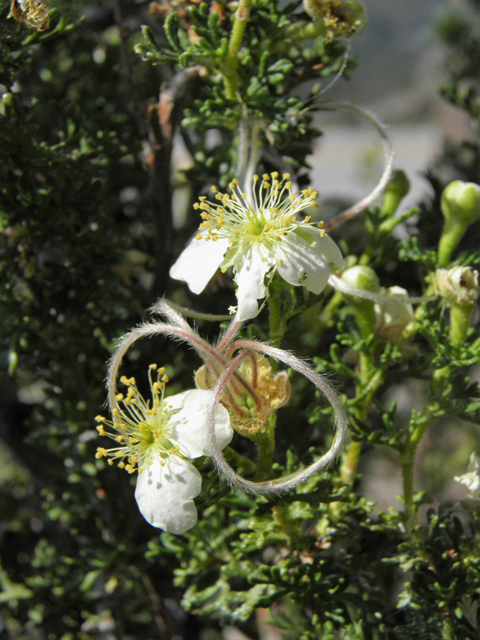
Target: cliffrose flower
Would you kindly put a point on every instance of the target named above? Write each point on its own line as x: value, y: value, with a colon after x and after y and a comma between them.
x: 258, y: 241
x: 392, y: 316
x: 471, y: 480
x: 157, y: 440
x: 250, y: 394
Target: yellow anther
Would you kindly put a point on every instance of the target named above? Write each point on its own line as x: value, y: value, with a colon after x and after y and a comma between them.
x: 101, y: 430
x: 214, y: 189
x: 323, y: 233
x: 308, y: 218
x: 274, y: 174
x: 198, y: 236
x: 110, y: 462
x: 100, y: 419
x: 286, y: 176
x: 119, y: 396
x: 288, y: 185
x: 280, y: 262
x: 121, y: 465
x: 218, y: 196
x: 223, y: 269
x: 255, y: 178
x: 321, y: 224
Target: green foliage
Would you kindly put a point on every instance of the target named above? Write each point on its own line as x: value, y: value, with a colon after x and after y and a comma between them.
x: 272, y: 63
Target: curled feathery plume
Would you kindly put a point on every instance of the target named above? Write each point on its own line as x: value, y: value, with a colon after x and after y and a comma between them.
x: 278, y: 485
x: 388, y: 156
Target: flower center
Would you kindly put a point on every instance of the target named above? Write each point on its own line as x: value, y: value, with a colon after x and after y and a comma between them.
x: 271, y: 217
x: 140, y: 428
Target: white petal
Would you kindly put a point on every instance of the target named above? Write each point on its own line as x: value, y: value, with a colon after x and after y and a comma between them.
x: 190, y: 424
x: 302, y: 265
x: 165, y: 494
x: 197, y: 264
x: 324, y: 246
x: 249, y: 278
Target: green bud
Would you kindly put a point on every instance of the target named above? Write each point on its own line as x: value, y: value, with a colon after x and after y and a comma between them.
x: 461, y: 201
x: 12, y: 362
x: 362, y: 277
x: 460, y: 206
x: 8, y: 102
x: 396, y: 190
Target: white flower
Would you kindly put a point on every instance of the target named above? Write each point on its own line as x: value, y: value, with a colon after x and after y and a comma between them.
x: 158, y: 441
x: 393, y: 316
x: 471, y: 479
x: 258, y: 241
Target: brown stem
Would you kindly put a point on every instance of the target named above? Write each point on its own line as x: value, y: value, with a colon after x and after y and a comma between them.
x: 163, y: 120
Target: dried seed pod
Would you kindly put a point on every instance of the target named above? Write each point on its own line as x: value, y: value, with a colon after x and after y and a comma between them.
x: 33, y: 12
x: 458, y: 285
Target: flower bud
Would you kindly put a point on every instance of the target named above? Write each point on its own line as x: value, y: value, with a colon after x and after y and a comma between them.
x: 362, y: 277
x: 460, y: 206
x: 8, y: 102
x: 396, y: 190
x: 461, y: 200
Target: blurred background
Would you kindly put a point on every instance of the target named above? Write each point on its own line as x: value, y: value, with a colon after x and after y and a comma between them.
x: 400, y: 64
